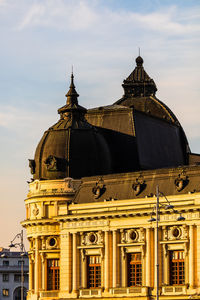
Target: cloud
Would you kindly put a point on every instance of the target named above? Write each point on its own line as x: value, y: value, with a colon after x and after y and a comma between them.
x: 60, y: 15
x: 81, y: 15
x: 11, y: 116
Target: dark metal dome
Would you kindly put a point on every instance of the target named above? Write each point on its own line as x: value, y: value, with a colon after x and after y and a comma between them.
x: 72, y: 147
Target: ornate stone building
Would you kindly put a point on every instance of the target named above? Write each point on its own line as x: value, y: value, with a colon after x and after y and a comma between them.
x: 93, y: 191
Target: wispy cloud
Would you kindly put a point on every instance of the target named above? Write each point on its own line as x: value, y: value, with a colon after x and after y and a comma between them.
x: 61, y: 15
x: 81, y: 15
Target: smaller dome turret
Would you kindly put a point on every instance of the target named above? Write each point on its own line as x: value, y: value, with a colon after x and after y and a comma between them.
x: 72, y: 147
x: 138, y: 83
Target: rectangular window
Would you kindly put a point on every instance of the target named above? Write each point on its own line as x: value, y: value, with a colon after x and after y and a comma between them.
x: 20, y: 262
x: 17, y: 277
x: 5, y: 292
x: 5, y: 277
x: 53, y: 274
x: 5, y: 262
x: 177, y: 268
x: 94, y: 271
x: 134, y: 269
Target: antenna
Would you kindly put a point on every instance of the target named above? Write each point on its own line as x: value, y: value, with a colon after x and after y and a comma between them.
x: 139, y: 50
x: 72, y: 69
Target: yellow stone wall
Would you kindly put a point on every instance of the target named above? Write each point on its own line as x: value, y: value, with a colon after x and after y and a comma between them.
x: 51, y: 213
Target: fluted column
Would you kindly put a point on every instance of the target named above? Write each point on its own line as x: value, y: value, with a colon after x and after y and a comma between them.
x: 106, y: 260
x: 191, y: 256
x: 115, y: 263
x: 74, y: 263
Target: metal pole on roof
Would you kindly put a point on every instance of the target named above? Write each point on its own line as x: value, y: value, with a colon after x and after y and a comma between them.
x: 157, y: 242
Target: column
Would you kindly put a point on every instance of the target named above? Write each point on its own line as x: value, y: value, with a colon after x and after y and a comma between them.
x: 191, y: 256
x: 148, y: 257
x: 74, y: 263
x: 30, y: 273
x: 115, y: 262
x: 84, y: 270
x: 36, y: 273
x: 123, y: 267
x: 43, y: 271
x: 198, y: 255
x: 106, y: 260
x: 68, y: 263
x: 165, y: 265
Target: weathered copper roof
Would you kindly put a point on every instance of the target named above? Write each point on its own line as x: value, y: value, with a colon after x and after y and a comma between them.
x: 171, y: 181
x: 72, y: 147
x: 138, y: 83
x: 138, y: 132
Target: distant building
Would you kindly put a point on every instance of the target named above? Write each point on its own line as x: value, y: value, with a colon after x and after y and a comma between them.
x: 93, y: 191
x: 10, y: 274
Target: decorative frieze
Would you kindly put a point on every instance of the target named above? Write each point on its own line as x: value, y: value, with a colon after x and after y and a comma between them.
x: 87, y: 224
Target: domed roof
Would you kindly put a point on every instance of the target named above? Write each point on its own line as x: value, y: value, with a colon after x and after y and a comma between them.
x: 72, y: 147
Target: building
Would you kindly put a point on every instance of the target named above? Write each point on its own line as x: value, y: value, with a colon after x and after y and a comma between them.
x: 11, y: 274
x: 93, y: 191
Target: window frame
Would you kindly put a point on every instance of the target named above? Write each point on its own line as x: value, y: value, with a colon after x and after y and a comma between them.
x: 134, y: 269
x: 5, y: 277
x: 53, y: 274
x: 6, y: 263
x: 177, y: 268
x: 94, y: 270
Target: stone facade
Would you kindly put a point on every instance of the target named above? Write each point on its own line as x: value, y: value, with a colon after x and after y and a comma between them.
x: 59, y: 228
x: 96, y: 176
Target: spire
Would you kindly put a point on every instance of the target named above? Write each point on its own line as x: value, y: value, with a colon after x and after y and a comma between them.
x: 72, y: 101
x: 72, y: 94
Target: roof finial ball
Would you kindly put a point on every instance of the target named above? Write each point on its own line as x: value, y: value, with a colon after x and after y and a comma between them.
x: 139, y: 61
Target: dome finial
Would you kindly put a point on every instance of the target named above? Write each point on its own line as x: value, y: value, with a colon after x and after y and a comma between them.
x: 139, y: 60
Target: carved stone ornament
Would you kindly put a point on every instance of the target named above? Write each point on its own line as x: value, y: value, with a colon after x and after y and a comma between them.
x: 123, y: 252
x: 139, y: 185
x: 99, y: 188
x: 83, y: 254
x: 132, y: 235
x: 91, y: 238
x: 185, y: 232
x: 51, y: 242
x: 35, y: 210
x: 51, y: 163
x: 69, y: 184
x: 175, y: 233
x: 32, y: 165
x: 181, y: 181
x: 123, y: 237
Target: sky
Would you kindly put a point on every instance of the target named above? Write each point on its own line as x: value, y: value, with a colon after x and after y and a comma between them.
x: 41, y: 40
